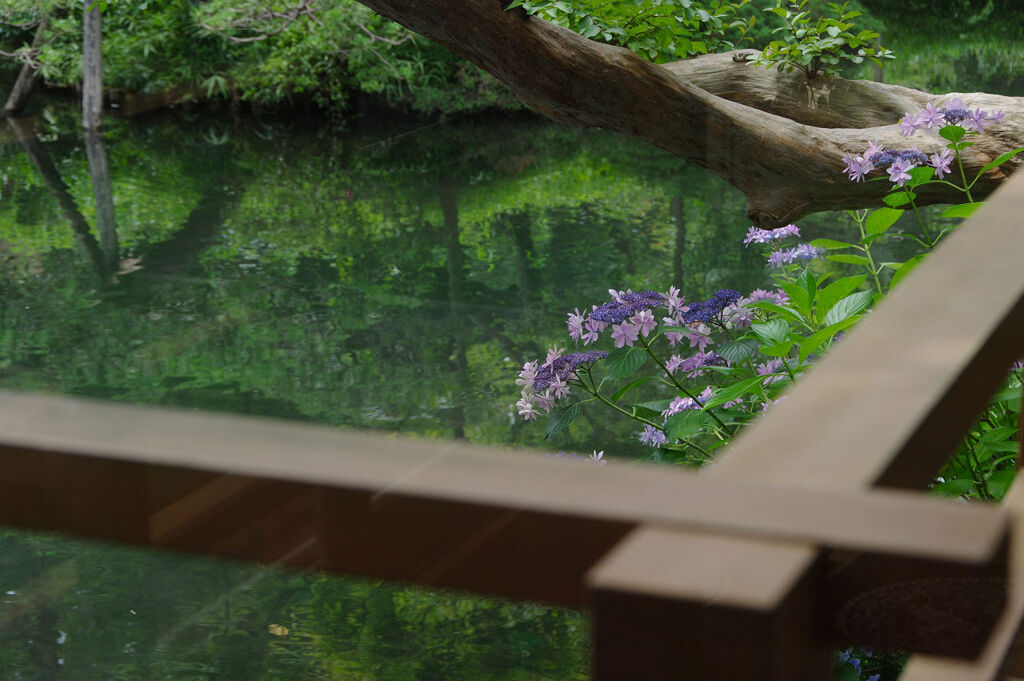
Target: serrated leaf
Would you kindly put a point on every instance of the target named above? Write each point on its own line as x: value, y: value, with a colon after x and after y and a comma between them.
x: 830, y: 244
x: 920, y: 175
x: 738, y: 350
x: 849, y: 259
x: 654, y: 405
x: 953, y: 488
x: 836, y: 291
x: 881, y: 219
x: 964, y: 210
x: 954, y: 133
x: 999, y: 482
x: 897, y: 199
x: 771, y: 332
x: 622, y: 362
x: 559, y: 419
x: 809, y: 346
x: 797, y: 295
x: 685, y: 424
x: 734, y: 392
x: 778, y: 349
x: 787, y: 312
x: 999, y: 161
x: 848, y: 306
x: 629, y: 386
x: 904, y: 269
x: 806, y: 279
x: 645, y: 413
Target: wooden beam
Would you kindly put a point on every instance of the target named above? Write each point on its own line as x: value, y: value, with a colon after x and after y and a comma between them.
x: 442, y: 513
x: 886, y: 407
x: 1003, y: 654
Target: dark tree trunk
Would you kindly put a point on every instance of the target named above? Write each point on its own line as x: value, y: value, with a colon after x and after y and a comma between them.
x: 777, y: 137
x: 26, y: 76
x: 92, y: 67
x: 106, y: 225
x: 52, y: 179
x: 457, y: 321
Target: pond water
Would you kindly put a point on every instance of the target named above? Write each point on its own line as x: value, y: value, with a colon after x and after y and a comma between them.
x: 386, y: 273
x: 381, y: 273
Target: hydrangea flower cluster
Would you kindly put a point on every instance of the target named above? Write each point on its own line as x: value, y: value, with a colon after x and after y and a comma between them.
x: 756, y: 235
x: 953, y: 113
x: 544, y: 384
x: 899, y: 162
x: 787, y: 256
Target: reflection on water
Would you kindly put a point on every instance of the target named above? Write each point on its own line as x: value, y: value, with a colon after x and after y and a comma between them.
x: 324, y: 275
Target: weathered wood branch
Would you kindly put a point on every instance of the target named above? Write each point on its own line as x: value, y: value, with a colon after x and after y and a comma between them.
x: 777, y: 140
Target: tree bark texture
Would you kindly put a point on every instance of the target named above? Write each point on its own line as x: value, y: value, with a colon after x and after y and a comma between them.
x: 92, y: 67
x: 106, y: 225
x: 779, y: 138
x: 26, y: 76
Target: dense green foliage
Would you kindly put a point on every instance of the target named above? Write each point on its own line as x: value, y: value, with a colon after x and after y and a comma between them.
x: 276, y: 53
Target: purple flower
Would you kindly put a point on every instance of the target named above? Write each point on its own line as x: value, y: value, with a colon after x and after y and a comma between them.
x: 593, y: 332
x: 738, y: 315
x: 564, y: 367
x: 941, y: 163
x: 674, y: 301
x: 625, y: 334
x: 653, y: 436
x: 705, y: 310
x: 526, y: 409
x: 645, y: 322
x: 763, y: 236
x: 625, y: 305
x: 673, y: 337
x: 976, y: 120
x: 673, y: 363
x: 791, y: 255
x: 527, y: 375
x: 929, y: 117
x: 898, y: 171
x: 769, y: 369
x: 883, y: 157
x: 912, y: 155
x: 873, y: 148
x: 692, y: 365
x: 777, y: 296
x: 857, y: 168
x: 909, y: 124
x: 575, y: 324
x: 874, y: 677
x: 699, y: 336
x: 680, y: 404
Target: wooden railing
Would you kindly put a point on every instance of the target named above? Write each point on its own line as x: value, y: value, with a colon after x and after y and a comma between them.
x: 795, y: 542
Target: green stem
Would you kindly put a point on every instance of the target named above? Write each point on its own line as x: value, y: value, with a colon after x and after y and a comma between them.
x: 860, y: 218
x: 963, y: 176
x: 647, y: 347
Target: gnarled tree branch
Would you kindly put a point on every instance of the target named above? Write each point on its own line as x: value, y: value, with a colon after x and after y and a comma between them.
x: 777, y: 140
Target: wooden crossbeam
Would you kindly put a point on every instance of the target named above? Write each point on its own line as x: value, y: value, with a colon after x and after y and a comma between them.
x: 886, y: 407
x: 421, y: 510
x: 1002, y: 652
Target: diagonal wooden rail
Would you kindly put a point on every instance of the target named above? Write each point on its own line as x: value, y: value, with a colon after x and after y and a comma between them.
x: 886, y: 407
x: 752, y: 570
